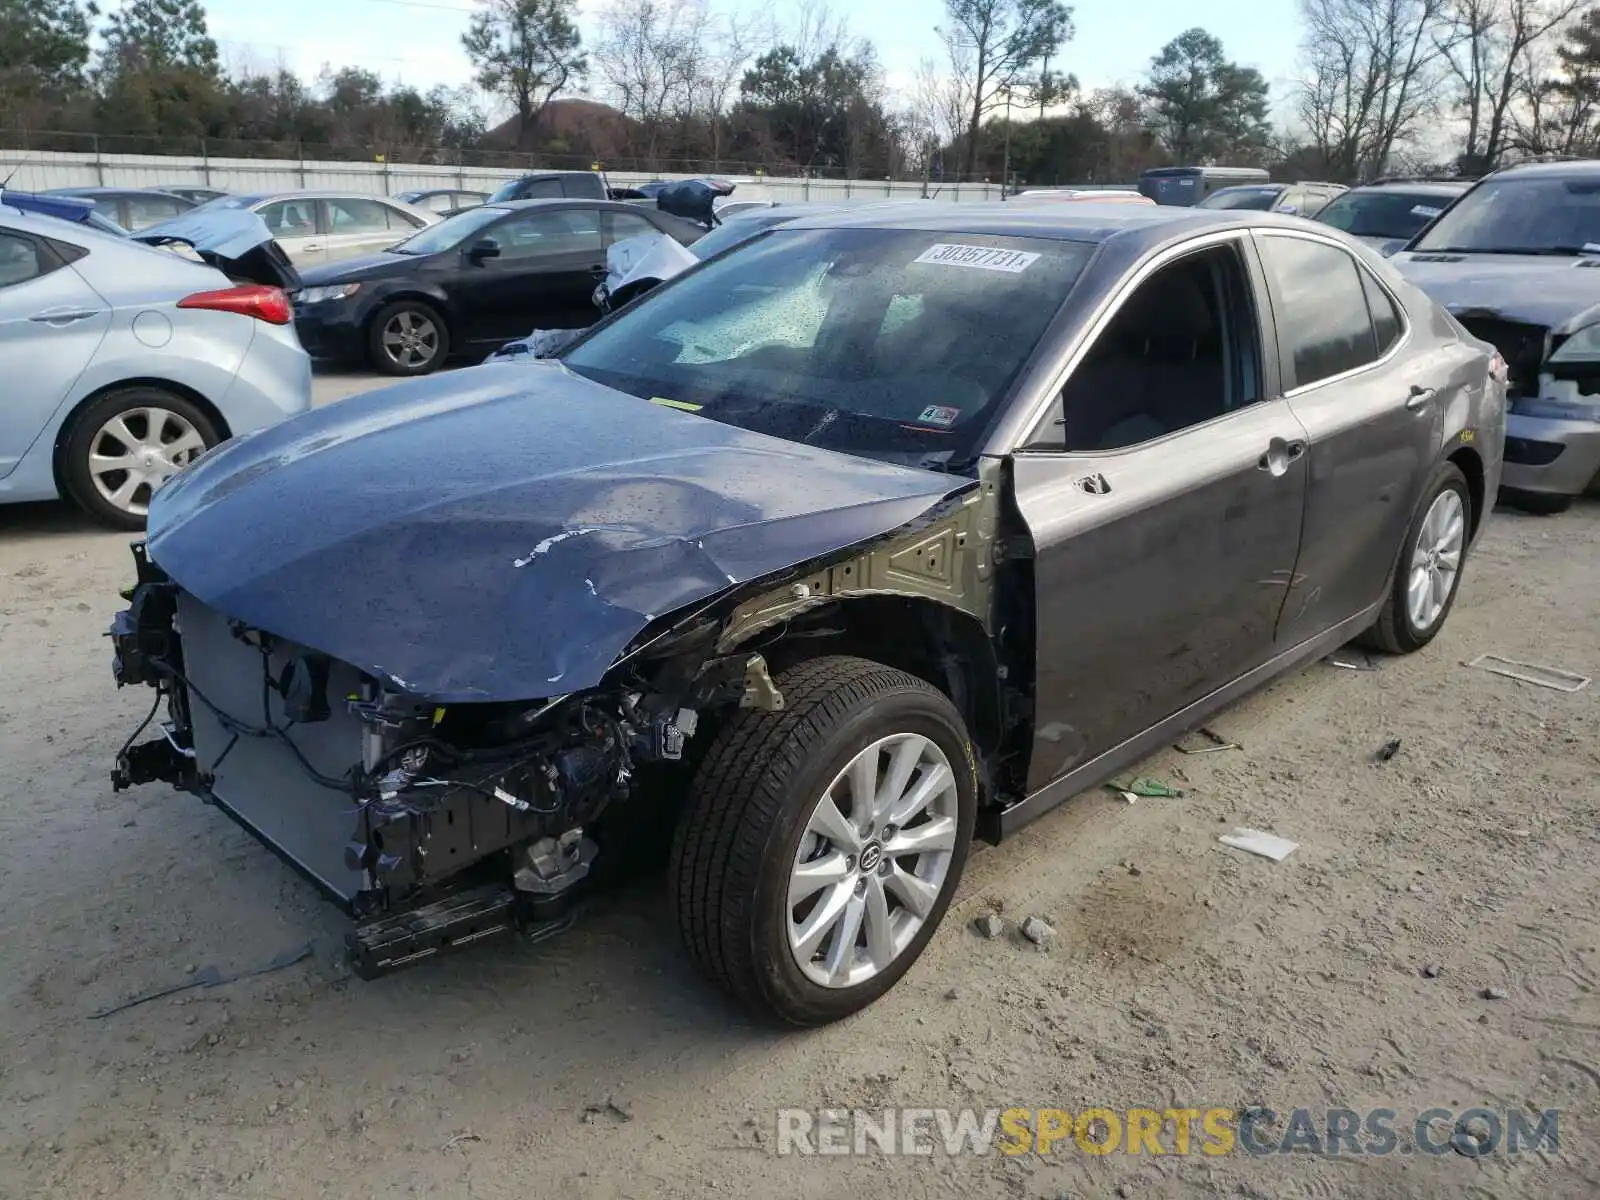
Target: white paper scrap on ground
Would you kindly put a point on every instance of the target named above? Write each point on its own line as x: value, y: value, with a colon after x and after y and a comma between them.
x: 1268, y: 845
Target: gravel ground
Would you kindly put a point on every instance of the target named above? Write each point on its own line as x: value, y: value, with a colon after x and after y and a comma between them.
x: 1434, y: 941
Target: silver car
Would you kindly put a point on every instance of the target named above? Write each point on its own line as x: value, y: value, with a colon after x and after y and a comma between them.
x: 322, y: 227
x: 124, y: 362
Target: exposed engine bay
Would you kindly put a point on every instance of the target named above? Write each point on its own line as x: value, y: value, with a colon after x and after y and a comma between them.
x: 433, y: 825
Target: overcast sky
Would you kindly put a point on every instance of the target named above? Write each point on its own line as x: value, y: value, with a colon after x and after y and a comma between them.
x: 419, y: 41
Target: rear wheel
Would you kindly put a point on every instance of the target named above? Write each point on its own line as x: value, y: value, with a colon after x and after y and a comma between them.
x: 1541, y: 504
x: 125, y: 445
x: 822, y: 843
x: 1428, y: 573
x: 407, y: 338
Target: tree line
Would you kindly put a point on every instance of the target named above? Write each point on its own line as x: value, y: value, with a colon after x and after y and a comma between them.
x: 688, y: 87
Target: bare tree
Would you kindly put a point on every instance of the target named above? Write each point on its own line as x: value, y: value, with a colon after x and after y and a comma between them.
x: 1558, y: 106
x: 725, y: 51
x: 992, y: 45
x: 1486, y: 45
x: 649, y: 54
x: 1371, y: 78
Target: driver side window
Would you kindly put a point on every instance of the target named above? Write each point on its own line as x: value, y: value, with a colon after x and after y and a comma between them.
x: 1184, y: 349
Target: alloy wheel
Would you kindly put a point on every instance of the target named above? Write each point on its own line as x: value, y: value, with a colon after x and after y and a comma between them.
x: 873, y: 860
x: 410, y: 339
x: 1436, y: 559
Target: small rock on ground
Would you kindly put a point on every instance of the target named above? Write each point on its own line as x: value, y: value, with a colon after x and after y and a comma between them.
x: 1039, y: 932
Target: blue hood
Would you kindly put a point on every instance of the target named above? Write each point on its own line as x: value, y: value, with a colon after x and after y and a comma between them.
x: 1559, y: 292
x: 504, y: 535
x: 234, y: 240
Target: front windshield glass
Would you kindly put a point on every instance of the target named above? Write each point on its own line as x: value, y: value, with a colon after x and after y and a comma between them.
x: 1385, y: 213
x: 892, y: 344
x: 448, y: 233
x: 1527, y: 215
x: 1259, y: 199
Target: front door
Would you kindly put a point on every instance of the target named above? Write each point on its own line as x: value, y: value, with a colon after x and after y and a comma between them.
x: 293, y: 225
x: 1164, y: 504
x: 549, y: 263
x: 51, y: 323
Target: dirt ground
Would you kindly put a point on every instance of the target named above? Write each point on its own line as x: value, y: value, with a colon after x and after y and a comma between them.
x: 1356, y: 973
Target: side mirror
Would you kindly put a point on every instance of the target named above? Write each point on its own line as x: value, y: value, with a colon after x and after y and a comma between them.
x: 483, y: 249
x: 1290, y: 210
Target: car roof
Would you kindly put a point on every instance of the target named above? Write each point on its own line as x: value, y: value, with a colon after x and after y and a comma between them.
x: 1576, y: 168
x: 570, y: 202
x: 305, y: 194
x: 1420, y: 187
x: 1080, y: 222
x: 108, y: 191
x: 58, y: 228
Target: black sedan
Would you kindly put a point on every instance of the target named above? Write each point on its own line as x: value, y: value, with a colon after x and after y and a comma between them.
x: 471, y: 283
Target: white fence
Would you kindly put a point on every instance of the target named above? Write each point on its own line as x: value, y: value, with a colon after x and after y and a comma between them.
x: 38, y: 170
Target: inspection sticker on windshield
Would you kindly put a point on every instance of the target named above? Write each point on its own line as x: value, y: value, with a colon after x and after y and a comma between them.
x: 1422, y: 210
x: 982, y: 258
x: 939, y: 414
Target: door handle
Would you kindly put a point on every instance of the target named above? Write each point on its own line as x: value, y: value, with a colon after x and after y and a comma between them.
x: 1419, y: 398
x: 63, y: 316
x: 1279, y: 455
x: 311, y: 247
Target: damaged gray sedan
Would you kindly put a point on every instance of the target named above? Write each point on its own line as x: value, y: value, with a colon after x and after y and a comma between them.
x: 891, y: 530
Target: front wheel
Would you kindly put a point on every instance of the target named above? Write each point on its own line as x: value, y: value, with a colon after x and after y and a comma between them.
x: 407, y: 338
x: 1428, y: 573
x: 822, y: 843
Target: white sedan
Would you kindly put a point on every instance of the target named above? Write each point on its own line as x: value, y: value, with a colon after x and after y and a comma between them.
x: 322, y: 227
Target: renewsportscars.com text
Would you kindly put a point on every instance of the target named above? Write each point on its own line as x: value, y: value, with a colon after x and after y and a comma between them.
x: 1210, y: 1131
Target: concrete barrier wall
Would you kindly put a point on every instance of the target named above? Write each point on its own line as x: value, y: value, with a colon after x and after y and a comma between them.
x: 38, y: 170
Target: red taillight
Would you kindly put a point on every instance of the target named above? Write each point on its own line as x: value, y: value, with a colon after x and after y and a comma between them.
x: 256, y: 300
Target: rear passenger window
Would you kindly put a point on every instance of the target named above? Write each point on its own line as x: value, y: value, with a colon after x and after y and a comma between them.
x: 1321, y: 312
x: 20, y: 260
x: 1385, y: 317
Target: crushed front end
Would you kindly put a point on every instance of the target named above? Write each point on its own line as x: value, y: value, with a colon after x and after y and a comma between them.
x: 434, y: 825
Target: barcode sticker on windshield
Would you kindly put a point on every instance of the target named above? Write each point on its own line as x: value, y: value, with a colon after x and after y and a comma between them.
x: 981, y: 258
x: 1422, y: 210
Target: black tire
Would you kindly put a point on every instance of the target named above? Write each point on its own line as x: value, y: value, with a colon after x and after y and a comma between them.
x: 740, y: 832
x: 1394, y: 631
x: 1541, y: 504
x: 423, y: 316
x: 77, y: 478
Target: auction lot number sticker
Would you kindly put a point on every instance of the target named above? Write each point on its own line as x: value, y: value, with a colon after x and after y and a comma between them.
x: 980, y: 258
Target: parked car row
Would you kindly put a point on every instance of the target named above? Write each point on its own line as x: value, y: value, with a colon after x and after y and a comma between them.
x: 393, y: 285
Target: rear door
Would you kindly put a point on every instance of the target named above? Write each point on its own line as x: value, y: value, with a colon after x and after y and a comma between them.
x: 1164, y: 498
x: 1372, y: 412
x: 51, y: 323
x: 549, y: 264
